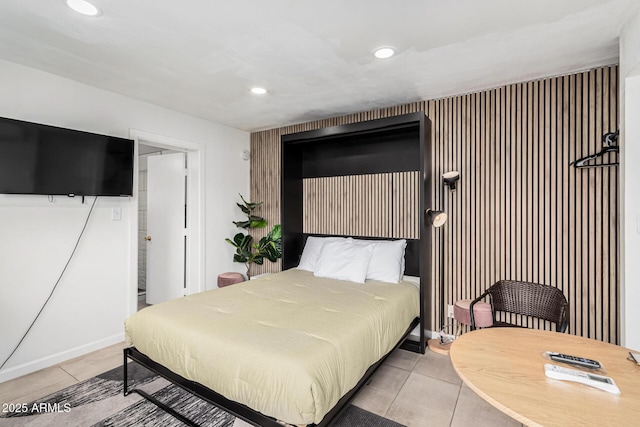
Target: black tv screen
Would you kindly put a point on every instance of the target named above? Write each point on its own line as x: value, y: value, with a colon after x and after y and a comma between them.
x: 41, y: 159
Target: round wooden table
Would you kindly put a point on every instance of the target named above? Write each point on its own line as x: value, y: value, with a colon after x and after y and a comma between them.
x: 505, y: 366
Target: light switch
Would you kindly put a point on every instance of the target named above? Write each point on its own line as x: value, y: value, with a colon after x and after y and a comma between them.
x: 116, y: 214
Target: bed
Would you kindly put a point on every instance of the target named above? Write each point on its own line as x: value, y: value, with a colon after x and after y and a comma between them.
x: 289, y: 345
x: 295, y: 347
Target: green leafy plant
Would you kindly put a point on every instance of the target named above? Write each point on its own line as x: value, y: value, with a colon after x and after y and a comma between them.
x: 247, y: 252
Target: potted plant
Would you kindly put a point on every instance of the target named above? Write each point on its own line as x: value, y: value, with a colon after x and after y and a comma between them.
x: 247, y: 252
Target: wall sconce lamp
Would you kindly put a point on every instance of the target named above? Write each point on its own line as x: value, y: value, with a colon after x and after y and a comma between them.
x: 436, y: 218
x: 450, y: 179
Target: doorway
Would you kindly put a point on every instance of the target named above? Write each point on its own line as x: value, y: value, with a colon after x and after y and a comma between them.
x: 190, y: 249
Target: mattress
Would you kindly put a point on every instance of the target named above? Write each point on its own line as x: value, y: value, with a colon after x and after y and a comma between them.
x: 288, y: 345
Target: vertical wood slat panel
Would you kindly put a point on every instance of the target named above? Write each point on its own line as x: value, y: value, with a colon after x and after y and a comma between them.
x: 375, y: 205
x: 606, y: 217
x: 519, y: 212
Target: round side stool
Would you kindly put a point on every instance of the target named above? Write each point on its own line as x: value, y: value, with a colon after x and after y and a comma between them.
x: 226, y: 279
x: 482, y: 314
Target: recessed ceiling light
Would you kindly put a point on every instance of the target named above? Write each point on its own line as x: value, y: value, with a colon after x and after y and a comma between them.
x: 384, y: 52
x: 84, y: 7
x: 258, y: 90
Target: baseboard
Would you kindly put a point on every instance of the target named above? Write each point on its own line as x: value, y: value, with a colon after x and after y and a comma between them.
x: 414, y: 335
x: 45, y: 362
x: 431, y: 334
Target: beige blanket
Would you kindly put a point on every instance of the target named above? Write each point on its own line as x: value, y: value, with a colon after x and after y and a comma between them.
x: 288, y: 345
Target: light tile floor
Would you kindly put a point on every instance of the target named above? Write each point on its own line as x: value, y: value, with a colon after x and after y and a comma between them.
x: 412, y: 389
x: 46, y: 381
x: 424, y: 390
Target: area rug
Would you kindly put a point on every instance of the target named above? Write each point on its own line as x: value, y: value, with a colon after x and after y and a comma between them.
x: 99, y: 402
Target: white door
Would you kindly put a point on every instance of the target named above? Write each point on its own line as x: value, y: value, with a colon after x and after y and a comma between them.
x: 166, y: 227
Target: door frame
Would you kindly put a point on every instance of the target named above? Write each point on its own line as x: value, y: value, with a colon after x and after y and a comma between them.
x: 195, y: 257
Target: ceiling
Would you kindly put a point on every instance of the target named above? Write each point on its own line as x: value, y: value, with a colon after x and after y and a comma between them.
x: 201, y: 56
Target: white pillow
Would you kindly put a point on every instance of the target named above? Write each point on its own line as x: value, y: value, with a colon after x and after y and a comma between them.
x: 387, y: 261
x: 311, y: 251
x: 342, y: 260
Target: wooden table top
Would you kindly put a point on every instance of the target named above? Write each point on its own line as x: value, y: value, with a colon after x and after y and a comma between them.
x: 505, y: 366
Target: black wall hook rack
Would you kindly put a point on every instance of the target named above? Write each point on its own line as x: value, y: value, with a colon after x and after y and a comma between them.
x: 608, y: 146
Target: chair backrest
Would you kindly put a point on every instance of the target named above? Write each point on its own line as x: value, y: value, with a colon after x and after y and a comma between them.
x: 531, y: 299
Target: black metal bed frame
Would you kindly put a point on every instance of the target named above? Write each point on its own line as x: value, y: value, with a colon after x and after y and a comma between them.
x: 237, y: 409
x: 418, y: 252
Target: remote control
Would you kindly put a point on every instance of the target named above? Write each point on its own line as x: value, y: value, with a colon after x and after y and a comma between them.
x: 574, y: 360
x: 598, y: 381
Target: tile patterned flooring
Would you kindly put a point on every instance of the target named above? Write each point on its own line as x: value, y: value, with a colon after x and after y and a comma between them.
x: 413, y: 389
x: 424, y: 390
x: 49, y: 380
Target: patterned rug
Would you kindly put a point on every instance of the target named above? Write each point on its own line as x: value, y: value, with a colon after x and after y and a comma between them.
x: 99, y: 402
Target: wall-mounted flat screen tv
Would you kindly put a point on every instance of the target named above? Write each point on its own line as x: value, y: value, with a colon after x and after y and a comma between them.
x: 48, y: 160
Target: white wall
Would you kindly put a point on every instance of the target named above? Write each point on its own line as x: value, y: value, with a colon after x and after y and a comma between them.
x: 629, y: 179
x: 36, y: 237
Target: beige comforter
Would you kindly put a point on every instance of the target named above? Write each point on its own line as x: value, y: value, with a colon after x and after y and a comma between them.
x: 288, y: 345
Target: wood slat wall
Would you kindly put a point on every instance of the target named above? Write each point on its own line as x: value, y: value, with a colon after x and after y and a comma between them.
x: 520, y: 211
x: 373, y: 205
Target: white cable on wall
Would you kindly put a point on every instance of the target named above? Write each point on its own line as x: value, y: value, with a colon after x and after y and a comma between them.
x: 55, y: 285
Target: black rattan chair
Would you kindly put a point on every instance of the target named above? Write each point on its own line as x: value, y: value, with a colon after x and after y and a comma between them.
x: 526, y: 298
